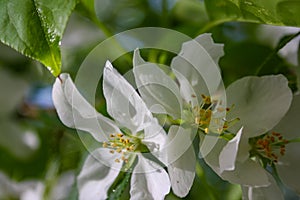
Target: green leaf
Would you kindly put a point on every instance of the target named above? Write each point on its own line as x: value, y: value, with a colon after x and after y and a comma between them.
x: 275, y: 12
x: 35, y: 28
x: 120, y: 185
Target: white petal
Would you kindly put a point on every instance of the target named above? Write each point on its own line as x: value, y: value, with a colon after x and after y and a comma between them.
x: 75, y: 112
x: 212, y: 153
x: 288, y: 126
x: 123, y: 102
x: 271, y: 192
x: 248, y: 173
x: 289, y: 165
x: 63, y: 186
x: 259, y: 102
x: 95, y: 177
x: 215, y: 50
x: 156, y: 87
x: 155, y: 138
x: 35, y: 193
x: 197, y: 62
x: 229, y: 153
x: 182, y: 169
x: 149, y: 181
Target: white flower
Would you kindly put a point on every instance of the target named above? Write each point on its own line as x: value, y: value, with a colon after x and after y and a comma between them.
x: 288, y: 165
x: 140, y: 131
x: 195, y: 68
x: 260, y: 103
x: 34, y: 190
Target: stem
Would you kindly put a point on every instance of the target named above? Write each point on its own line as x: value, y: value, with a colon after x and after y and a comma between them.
x: 275, y: 51
x: 108, y: 33
x: 212, y: 24
x: 294, y: 140
x: 51, y: 176
x: 201, y: 176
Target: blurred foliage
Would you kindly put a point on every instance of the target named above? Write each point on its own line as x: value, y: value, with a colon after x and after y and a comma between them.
x: 249, y: 50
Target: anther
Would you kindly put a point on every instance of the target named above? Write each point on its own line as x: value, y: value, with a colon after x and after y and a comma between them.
x: 104, y: 144
x: 119, y: 150
x: 206, y: 130
x: 131, y: 148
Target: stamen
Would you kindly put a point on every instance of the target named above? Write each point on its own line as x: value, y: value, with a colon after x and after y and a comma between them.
x: 105, y: 145
x: 119, y: 150
x: 271, y: 146
x: 120, y: 135
x: 204, y: 112
x: 122, y: 144
x: 206, y: 130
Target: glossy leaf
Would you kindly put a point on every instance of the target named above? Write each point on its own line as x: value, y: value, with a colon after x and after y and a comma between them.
x: 276, y: 12
x: 35, y: 28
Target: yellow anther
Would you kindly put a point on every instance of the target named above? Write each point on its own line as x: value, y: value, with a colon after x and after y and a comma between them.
x: 131, y: 148
x: 122, y: 140
x: 111, y: 151
x: 206, y: 130
x: 197, y: 120
x: 104, y: 144
x: 127, y: 141
x: 112, y: 135
x: 119, y: 150
x: 113, y: 144
x: 117, y: 160
x: 120, y: 135
x: 202, y: 112
x: 206, y: 99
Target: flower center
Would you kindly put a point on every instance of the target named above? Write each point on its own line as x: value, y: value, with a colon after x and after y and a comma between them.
x: 123, y: 145
x: 270, y: 146
x: 203, y: 115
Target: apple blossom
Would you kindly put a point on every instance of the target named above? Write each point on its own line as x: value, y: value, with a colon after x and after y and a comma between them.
x: 133, y: 132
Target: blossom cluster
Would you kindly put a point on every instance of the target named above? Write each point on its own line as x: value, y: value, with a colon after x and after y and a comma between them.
x: 247, y: 132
